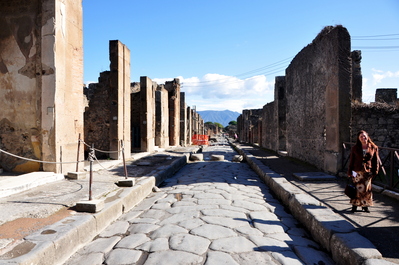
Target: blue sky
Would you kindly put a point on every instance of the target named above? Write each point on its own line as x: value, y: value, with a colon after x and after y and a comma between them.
x: 227, y: 53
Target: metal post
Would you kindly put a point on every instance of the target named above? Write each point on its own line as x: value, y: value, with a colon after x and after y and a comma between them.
x: 91, y: 158
x: 77, y: 160
x: 123, y: 157
x: 61, y: 158
x: 391, y: 154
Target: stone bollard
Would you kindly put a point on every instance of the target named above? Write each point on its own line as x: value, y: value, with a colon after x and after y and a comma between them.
x: 238, y: 158
x: 217, y: 157
x: 196, y: 157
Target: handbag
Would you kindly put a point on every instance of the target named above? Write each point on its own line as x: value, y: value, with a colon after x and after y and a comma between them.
x: 350, y: 191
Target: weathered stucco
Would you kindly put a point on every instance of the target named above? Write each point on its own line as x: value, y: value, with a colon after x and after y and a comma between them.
x: 41, y: 78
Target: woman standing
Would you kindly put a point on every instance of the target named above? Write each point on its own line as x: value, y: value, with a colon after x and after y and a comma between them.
x: 363, y: 167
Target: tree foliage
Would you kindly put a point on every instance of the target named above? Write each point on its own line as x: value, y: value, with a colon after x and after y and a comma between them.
x: 233, y: 123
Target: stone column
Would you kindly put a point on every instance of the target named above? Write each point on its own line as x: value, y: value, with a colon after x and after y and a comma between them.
x: 183, y: 119
x: 161, y: 117
x: 147, y: 114
x: 189, y: 126
x: 119, y: 98
x: 173, y: 88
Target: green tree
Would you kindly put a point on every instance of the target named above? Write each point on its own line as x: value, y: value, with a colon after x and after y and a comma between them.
x: 233, y: 123
x: 218, y: 125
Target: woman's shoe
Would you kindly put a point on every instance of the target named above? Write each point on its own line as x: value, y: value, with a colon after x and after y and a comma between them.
x: 354, y: 208
x: 366, y: 209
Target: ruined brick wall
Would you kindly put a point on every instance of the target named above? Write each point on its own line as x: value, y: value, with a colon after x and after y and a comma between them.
x: 249, y: 126
x: 41, y: 71
x: 97, y: 115
x: 387, y: 95
x: 318, y: 85
x: 380, y: 120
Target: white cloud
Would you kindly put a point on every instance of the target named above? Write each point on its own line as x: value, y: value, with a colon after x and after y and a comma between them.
x: 221, y: 92
x: 379, y: 75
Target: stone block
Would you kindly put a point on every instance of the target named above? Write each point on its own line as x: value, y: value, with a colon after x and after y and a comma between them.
x: 92, y: 206
x: 77, y: 175
x: 391, y: 194
x: 352, y: 248
x: 196, y: 157
x: 238, y: 158
x: 126, y: 182
x: 217, y: 157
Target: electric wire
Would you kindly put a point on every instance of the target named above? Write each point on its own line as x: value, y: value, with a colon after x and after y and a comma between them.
x: 273, y: 68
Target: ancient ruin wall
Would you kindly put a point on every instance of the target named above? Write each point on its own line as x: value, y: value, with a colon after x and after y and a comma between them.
x: 380, y: 120
x: 20, y: 120
x: 97, y: 115
x: 41, y: 76
x: 269, y: 127
x: 318, y: 85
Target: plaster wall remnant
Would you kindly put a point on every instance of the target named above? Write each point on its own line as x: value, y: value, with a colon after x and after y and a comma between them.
x: 41, y: 73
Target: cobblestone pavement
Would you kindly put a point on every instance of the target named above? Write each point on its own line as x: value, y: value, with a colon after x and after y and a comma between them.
x: 210, y: 212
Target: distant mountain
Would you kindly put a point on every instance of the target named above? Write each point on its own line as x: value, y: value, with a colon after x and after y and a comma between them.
x: 223, y: 117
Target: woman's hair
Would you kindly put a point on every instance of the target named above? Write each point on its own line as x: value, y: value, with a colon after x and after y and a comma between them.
x: 358, y: 143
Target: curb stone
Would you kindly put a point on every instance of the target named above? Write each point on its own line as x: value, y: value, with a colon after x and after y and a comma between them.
x: 334, y: 233
x: 55, y: 243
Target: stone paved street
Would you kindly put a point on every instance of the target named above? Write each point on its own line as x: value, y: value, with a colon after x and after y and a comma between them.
x: 210, y: 212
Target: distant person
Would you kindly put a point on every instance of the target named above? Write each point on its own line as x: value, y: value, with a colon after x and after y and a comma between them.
x: 363, y: 167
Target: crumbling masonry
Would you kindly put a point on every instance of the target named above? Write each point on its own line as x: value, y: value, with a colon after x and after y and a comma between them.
x: 44, y: 111
x: 317, y: 106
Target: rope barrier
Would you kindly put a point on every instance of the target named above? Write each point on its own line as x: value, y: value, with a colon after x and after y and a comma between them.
x: 98, y: 150
x: 34, y: 160
x: 91, y: 158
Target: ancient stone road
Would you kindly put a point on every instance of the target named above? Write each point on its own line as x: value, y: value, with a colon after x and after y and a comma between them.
x: 210, y: 212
